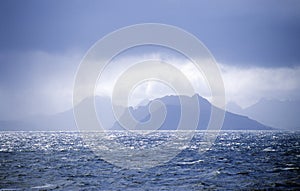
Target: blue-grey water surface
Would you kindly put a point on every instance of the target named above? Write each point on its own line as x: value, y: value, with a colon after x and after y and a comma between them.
x: 241, y: 160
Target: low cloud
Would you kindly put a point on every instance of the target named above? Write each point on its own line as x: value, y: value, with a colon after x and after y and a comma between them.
x: 36, y: 83
x: 150, y: 89
x: 246, y: 86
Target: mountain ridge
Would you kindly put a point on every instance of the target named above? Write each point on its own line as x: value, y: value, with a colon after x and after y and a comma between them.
x: 231, y: 121
x: 65, y: 121
x: 276, y: 113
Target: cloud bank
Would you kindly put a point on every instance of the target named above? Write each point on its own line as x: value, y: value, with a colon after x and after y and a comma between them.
x: 42, y: 83
x: 245, y: 86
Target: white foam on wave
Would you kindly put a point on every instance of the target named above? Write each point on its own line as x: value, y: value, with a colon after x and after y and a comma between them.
x: 190, y: 162
x: 48, y: 186
x: 269, y: 149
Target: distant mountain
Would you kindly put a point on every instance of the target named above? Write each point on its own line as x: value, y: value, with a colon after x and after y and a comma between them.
x: 275, y: 113
x: 231, y: 122
x: 234, y: 108
x: 65, y: 121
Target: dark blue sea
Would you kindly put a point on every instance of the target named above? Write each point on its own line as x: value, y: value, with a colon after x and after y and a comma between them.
x: 238, y: 160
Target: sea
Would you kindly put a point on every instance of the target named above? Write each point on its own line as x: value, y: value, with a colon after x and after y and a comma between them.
x: 237, y: 160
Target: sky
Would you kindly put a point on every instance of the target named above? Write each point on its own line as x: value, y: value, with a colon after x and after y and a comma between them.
x: 255, y: 43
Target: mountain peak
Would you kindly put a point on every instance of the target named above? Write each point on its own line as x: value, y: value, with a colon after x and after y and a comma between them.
x: 231, y: 122
x: 66, y: 121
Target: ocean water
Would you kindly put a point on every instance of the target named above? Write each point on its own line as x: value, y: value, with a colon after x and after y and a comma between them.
x: 238, y: 160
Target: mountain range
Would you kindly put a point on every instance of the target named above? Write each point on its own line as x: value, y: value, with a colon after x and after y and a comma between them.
x: 275, y: 113
x: 65, y: 121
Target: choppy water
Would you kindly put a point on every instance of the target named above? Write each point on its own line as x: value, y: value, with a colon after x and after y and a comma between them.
x: 237, y: 161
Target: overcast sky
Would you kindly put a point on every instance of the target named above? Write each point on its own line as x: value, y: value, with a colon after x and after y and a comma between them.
x: 256, y: 43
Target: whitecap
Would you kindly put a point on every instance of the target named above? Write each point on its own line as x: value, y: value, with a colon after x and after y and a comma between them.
x: 190, y: 162
x: 48, y: 186
x: 290, y: 168
x: 269, y: 149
